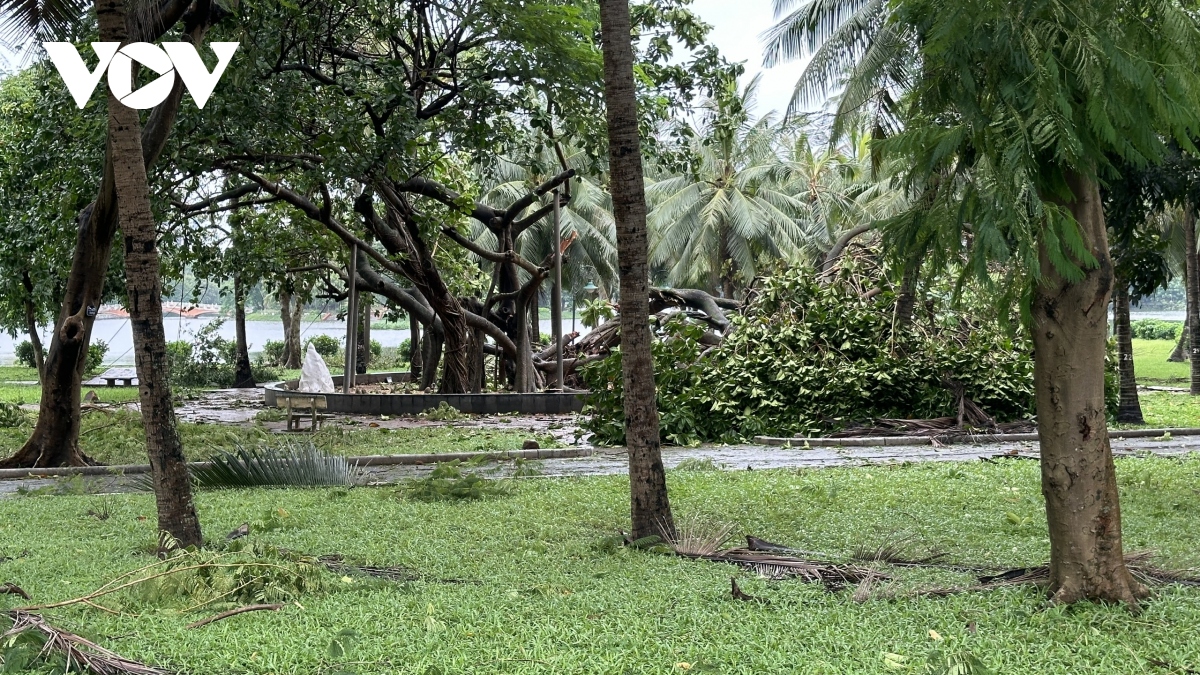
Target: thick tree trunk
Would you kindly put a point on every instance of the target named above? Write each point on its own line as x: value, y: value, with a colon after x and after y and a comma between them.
x: 291, y: 317
x: 1179, y: 354
x: 55, y: 437
x: 1193, y: 294
x: 1070, y: 331
x: 363, y: 363
x: 431, y: 352
x: 650, y: 509
x: 414, y: 349
x: 1130, y: 409
x: 243, y: 376
x: 35, y: 337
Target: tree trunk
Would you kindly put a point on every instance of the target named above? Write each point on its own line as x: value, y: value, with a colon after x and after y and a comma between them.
x: 650, y: 509
x: 1070, y: 331
x: 1130, y: 409
x: 414, y: 349
x: 35, y: 338
x: 431, y: 352
x: 1193, y: 294
x: 55, y: 437
x: 172, y: 483
x: 291, y: 318
x: 243, y: 376
x: 363, y: 362
x: 1179, y: 354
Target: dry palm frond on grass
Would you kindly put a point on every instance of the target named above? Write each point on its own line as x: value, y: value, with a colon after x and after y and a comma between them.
x: 1139, y: 565
x: 80, y: 653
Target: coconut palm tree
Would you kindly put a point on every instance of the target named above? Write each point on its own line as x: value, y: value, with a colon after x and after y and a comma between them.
x: 125, y: 201
x: 650, y: 508
x: 854, y: 51
x: 711, y: 226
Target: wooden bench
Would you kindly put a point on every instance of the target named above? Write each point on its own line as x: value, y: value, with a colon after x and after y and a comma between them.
x: 299, y: 405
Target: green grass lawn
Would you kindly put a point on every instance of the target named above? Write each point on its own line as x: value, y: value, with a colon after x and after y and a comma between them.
x: 544, y: 595
x: 117, y: 437
x: 1151, y: 365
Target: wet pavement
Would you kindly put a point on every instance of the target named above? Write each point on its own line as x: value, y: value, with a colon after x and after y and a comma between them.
x: 603, y: 462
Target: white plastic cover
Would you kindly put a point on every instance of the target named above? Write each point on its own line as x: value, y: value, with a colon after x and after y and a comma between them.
x: 314, y: 374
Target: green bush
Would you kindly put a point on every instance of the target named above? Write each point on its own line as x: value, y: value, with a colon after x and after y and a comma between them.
x: 96, y: 353
x: 272, y: 353
x: 209, y: 360
x: 376, y: 348
x: 326, y: 345
x: 24, y: 354
x: 810, y: 357
x: 1156, y: 329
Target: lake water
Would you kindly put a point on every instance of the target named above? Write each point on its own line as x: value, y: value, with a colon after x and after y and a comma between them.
x: 119, y: 336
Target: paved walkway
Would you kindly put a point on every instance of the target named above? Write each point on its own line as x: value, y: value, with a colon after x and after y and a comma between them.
x: 605, y: 462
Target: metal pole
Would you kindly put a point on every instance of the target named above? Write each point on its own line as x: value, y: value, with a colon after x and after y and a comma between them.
x: 556, y: 296
x: 351, y: 322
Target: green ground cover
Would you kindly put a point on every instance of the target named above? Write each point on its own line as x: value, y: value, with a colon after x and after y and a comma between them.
x: 117, y: 437
x: 545, y: 594
x: 1150, y: 363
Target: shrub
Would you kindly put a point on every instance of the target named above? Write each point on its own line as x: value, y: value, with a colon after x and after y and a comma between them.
x: 809, y: 357
x: 24, y: 354
x: 1156, y: 329
x: 96, y: 353
x: 376, y: 348
x: 209, y: 360
x: 272, y: 353
x: 447, y: 482
x: 326, y: 345
x: 11, y: 416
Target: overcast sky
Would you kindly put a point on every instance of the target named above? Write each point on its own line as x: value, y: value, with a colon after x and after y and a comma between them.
x: 737, y: 27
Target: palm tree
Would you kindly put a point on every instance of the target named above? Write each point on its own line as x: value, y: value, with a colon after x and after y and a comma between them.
x: 650, y: 509
x: 124, y: 199
x: 855, y: 52
x: 711, y: 226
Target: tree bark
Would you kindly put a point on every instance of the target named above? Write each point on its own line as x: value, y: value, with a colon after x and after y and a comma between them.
x: 172, y: 483
x: 35, y: 338
x: 243, y: 376
x: 650, y: 508
x: 363, y: 362
x: 1193, y: 294
x: 906, y: 299
x: 55, y: 437
x: 1130, y: 408
x: 291, y: 329
x: 1179, y: 354
x: 414, y: 349
x: 1070, y: 331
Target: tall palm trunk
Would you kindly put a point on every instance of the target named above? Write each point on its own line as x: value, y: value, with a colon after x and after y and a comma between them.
x: 650, y: 509
x: 1130, y: 408
x: 1070, y: 332
x: 1192, y: 261
x: 172, y: 484
x: 1179, y: 354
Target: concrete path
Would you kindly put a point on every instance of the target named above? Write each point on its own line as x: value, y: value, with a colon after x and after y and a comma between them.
x: 604, y: 462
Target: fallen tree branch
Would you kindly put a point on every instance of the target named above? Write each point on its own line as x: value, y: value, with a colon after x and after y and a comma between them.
x: 77, y: 650
x: 234, y: 612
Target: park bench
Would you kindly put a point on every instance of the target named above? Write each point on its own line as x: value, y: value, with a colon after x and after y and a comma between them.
x: 119, y: 377
x: 300, y: 404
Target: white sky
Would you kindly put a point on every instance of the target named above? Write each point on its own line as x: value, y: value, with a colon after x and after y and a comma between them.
x: 737, y: 25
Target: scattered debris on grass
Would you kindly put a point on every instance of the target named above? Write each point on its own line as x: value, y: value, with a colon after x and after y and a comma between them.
x: 447, y: 482
x: 234, y: 612
x: 10, y: 588
x: 738, y: 594
x: 47, y: 641
x: 939, y: 428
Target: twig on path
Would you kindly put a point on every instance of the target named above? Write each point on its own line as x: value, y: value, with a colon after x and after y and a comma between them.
x: 234, y: 612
